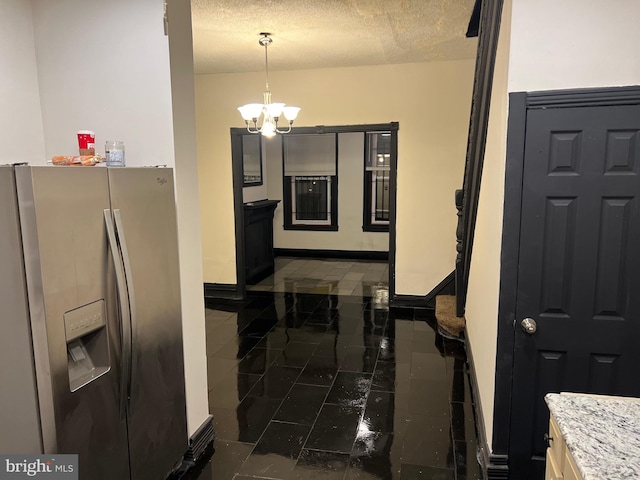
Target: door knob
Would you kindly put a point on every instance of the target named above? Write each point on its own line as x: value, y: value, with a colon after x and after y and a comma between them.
x: 529, y: 326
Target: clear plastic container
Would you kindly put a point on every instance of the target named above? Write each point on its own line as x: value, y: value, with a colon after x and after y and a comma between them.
x: 114, y: 151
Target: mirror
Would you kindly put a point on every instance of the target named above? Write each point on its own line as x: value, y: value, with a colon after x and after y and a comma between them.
x: 251, y: 160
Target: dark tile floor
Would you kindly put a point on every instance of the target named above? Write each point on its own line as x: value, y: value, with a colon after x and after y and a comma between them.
x: 308, y: 386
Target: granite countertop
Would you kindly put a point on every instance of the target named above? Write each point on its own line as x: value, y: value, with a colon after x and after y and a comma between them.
x: 602, y: 433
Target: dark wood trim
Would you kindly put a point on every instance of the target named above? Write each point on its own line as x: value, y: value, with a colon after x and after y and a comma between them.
x: 584, y: 97
x: 375, y: 228
x: 365, y: 127
x: 393, y: 198
x: 342, y: 254
x: 222, y: 290
x: 258, y: 235
x: 474, y: 21
x: 410, y: 301
x: 258, y: 204
x: 312, y: 228
x: 493, y: 466
x: 516, y: 124
x: 334, y: 188
x: 238, y: 198
x: 286, y: 196
x: 366, y: 184
x: 446, y: 283
x: 238, y: 207
x: 490, y: 17
x: 367, y: 188
x: 426, y: 301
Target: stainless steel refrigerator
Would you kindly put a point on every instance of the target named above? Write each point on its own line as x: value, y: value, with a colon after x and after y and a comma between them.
x: 91, y: 356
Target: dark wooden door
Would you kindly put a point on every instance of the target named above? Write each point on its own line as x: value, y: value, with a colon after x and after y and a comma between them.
x: 579, y: 267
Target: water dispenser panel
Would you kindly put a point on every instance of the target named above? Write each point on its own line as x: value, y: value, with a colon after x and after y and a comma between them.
x: 83, y: 320
x: 87, y: 344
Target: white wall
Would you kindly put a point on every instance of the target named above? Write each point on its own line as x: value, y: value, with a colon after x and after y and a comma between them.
x: 350, y: 198
x: 189, y: 233
x: 21, y: 134
x: 105, y: 66
x: 431, y: 101
x: 574, y: 43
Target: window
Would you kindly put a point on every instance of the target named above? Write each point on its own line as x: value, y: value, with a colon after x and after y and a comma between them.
x: 377, y: 169
x: 310, y: 181
x: 311, y: 200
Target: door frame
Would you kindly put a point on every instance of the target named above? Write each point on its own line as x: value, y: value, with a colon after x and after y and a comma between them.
x: 240, y: 289
x: 519, y: 104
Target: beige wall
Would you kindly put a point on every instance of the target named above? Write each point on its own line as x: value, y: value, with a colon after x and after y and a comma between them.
x: 484, y: 277
x: 431, y: 101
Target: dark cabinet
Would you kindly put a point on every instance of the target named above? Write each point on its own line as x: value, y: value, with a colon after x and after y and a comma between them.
x: 258, y: 239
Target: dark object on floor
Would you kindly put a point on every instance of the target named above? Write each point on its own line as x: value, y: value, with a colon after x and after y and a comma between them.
x: 449, y: 325
x: 190, y: 470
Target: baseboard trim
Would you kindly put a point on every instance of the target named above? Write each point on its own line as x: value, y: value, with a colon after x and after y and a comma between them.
x: 428, y: 300
x: 410, y: 301
x: 200, y: 450
x: 494, y: 467
x: 226, y: 291
x: 341, y: 254
x: 200, y: 440
x: 497, y: 467
x: 441, y: 289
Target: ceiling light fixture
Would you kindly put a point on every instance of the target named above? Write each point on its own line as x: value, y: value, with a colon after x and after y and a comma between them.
x: 270, y: 112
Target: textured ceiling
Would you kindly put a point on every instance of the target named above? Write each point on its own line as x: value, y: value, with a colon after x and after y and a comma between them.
x: 328, y: 33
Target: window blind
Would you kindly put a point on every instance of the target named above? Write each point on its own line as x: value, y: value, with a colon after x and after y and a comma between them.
x: 307, y: 155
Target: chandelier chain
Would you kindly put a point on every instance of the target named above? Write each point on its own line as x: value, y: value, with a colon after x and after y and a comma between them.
x: 266, y: 66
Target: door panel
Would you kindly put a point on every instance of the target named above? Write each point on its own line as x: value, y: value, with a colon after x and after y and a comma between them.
x: 145, y: 201
x: 20, y: 432
x: 68, y: 266
x: 578, y: 274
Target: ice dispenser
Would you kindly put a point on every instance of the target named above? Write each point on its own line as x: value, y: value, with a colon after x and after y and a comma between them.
x: 87, y: 344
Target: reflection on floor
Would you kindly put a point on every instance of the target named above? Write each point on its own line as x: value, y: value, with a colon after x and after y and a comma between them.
x: 309, y: 386
x: 340, y: 277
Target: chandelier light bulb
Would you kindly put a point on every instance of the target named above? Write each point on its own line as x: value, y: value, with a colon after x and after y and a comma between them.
x: 268, y: 129
x: 263, y: 117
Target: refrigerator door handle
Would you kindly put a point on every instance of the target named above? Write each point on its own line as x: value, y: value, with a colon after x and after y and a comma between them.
x: 132, y: 299
x: 125, y: 314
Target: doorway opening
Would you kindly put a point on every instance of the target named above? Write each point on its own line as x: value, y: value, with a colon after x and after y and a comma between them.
x: 333, y: 193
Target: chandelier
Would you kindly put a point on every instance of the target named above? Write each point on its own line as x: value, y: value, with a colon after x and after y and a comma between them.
x: 267, y: 114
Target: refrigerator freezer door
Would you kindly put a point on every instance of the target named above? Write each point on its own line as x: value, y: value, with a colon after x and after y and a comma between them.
x: 70, y: 279
x: 143, y: 203
x: 20, y: 432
